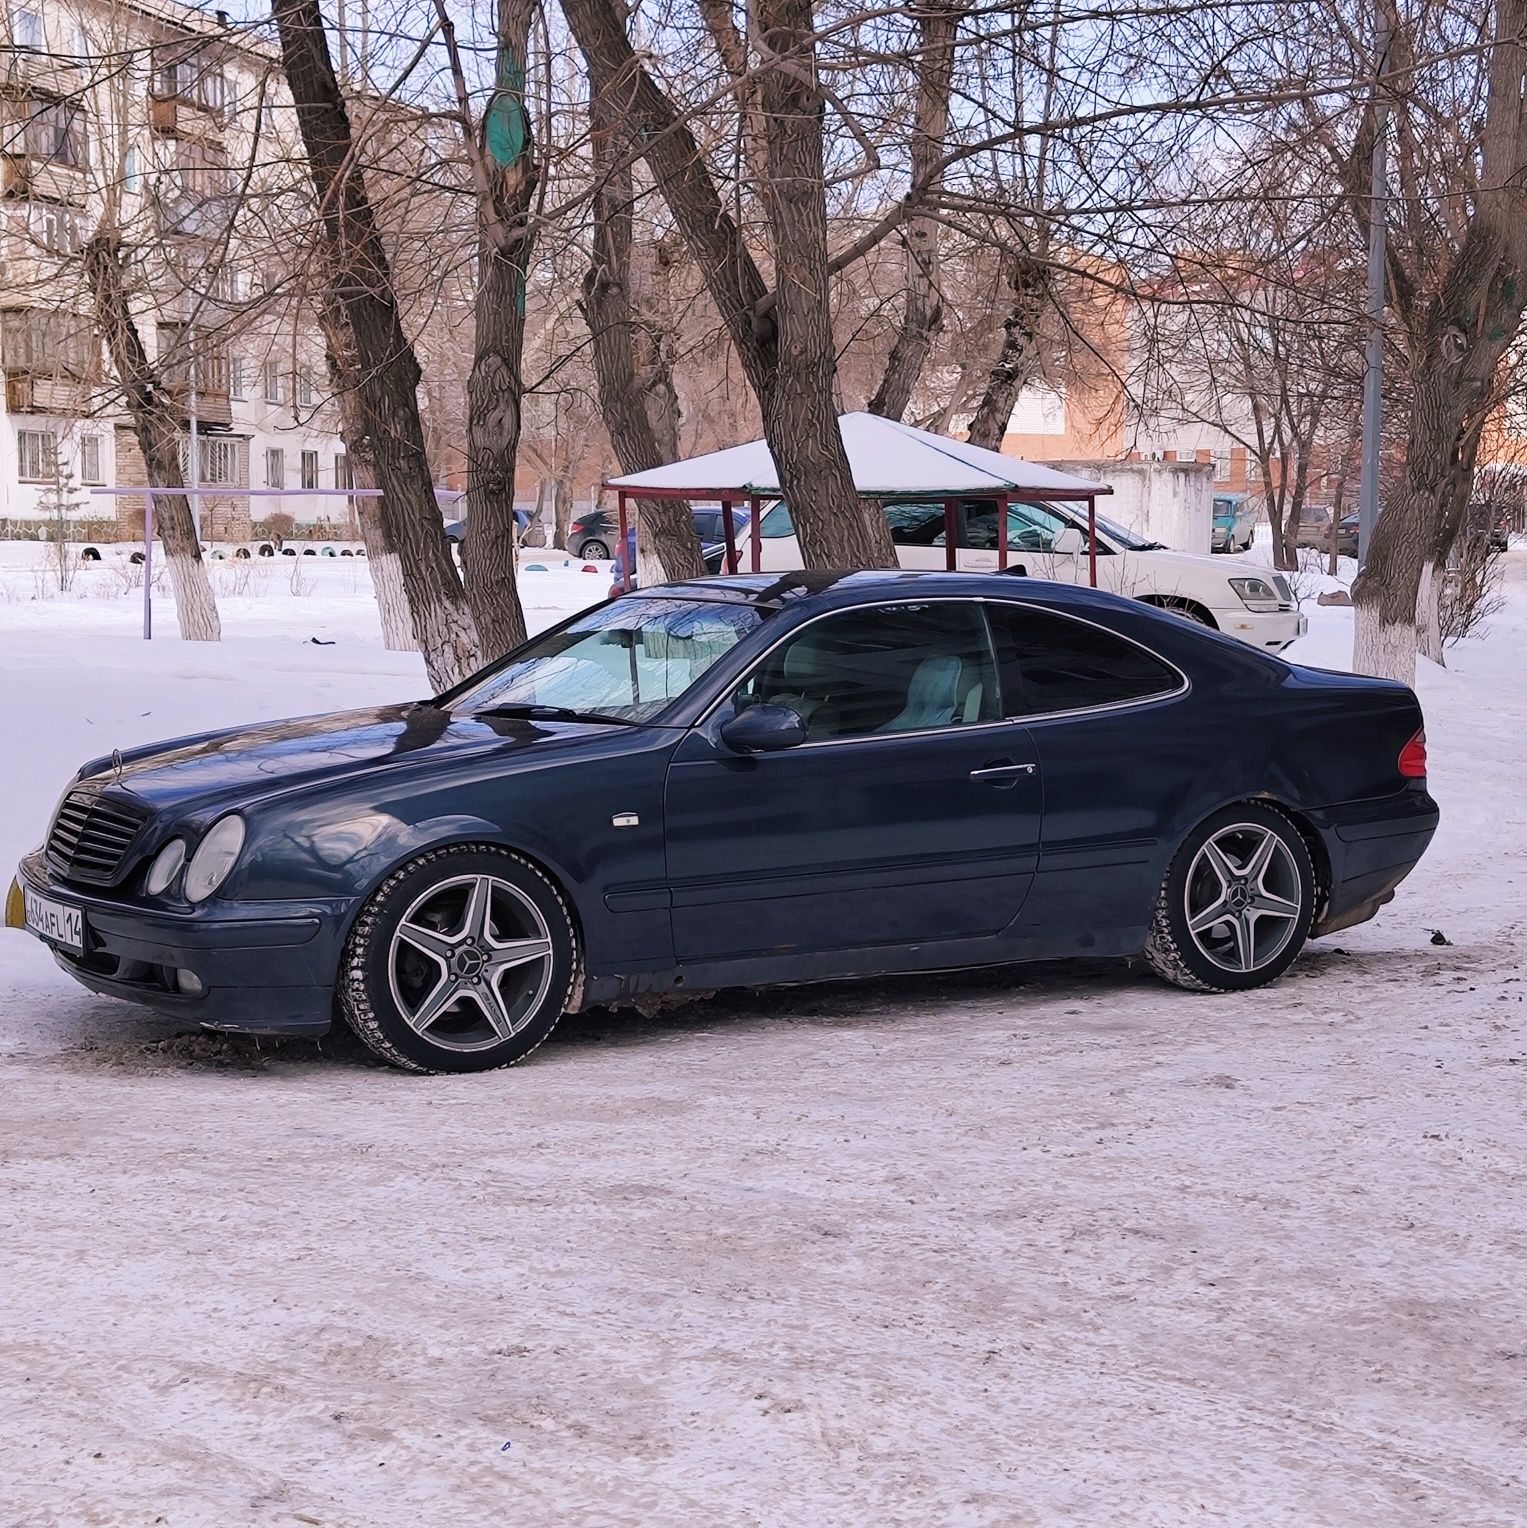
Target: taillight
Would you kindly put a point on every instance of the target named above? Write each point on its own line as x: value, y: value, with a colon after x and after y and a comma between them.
x: 576, y: 528
x: 1413, y: 757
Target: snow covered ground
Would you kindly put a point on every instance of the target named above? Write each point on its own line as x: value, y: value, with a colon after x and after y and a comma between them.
x: 1047, y: 1245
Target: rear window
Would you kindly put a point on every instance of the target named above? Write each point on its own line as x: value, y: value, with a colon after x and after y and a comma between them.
x: 1048, y: 662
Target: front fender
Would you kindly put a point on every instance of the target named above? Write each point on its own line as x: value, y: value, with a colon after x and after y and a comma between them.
x: 349, y: 854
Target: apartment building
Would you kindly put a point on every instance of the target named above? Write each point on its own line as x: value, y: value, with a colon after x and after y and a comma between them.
x: 172, y: 129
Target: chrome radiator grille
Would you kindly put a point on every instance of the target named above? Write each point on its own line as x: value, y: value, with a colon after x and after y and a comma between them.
x: 91, y: 835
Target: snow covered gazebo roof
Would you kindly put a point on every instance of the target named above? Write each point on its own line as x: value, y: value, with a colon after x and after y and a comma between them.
x: 887, y: 458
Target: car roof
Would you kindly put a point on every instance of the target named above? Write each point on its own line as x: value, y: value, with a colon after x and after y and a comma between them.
x: 831, y: 589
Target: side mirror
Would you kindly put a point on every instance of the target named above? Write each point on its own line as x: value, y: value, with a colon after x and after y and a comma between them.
x: 764, y: 729
x: 1069, y: 542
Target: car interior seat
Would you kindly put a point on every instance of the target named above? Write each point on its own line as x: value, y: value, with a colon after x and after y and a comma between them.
x: 933, y: 696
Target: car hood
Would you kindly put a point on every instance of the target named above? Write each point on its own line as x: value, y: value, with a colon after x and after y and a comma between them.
x: 276, y: 756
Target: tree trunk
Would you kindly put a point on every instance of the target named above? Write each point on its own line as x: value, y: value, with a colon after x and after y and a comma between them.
x: 835, y: 528
x: 562, y: 508
x: 495, y: 390
x: 635, y: 403
x: 923, y: 315
x: 156, y: 428
x: 387, y: 369
x: 1017, y: 362
x: 381, y: 560
x: 785, y: 345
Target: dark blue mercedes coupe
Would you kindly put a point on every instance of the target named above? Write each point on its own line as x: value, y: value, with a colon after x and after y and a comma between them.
x: 740, y: 781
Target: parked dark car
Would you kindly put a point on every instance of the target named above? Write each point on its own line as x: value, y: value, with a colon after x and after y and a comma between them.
x: 593, y: 534
x: 1490, y: 524
x: 744, y: 780
x: 709, y: 527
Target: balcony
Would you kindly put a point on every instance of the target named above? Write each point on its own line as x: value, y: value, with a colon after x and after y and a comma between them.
x: 46, y: 345
x: 38, y: 179
x: 176, y: 117
x: 212, y: 407
x: 56, y: 396
x: 26, y: 71
x: 184, y: 216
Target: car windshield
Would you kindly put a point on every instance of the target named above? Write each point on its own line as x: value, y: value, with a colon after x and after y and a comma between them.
x: 1116, y: 532
x: 624, y: 662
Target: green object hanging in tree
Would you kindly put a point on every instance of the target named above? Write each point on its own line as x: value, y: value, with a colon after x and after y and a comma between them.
x: 507, y: 130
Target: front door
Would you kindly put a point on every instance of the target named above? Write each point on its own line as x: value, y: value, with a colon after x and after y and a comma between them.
x: 910, y: 814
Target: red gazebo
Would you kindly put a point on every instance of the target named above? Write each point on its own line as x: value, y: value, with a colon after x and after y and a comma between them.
x: 889, y: 460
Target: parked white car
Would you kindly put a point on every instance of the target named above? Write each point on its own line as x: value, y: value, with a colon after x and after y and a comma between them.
x: 1050, y: 541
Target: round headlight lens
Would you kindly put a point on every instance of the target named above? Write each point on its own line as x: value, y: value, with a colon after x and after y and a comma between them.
x: 166, y: 866
x: 214, y: 857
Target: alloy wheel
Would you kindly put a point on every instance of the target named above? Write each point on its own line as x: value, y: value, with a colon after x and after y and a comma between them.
x: 1243, y: 897
x: 470, y: 962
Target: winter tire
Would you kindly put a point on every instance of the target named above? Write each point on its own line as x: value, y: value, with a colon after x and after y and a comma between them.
x: 463, y: 960
x: 595, y: 549
x: 1235, y: 907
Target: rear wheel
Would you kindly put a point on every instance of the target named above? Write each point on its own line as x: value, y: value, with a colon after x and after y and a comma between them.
x: 463, y: 960
x: 595, y: 549
x: 1236, y: 904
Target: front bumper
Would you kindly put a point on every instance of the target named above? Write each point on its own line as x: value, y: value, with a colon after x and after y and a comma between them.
x: 260, y: 969
x: 1269, y: 630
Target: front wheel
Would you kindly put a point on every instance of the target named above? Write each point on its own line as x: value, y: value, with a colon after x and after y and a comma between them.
x: 1236, y: 905
x: 463, y: 960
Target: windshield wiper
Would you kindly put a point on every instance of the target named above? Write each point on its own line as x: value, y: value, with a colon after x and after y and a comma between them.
x: 553, y: 714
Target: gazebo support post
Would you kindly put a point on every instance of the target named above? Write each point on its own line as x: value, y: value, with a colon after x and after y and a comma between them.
x: 730, y: 532
x: 755, y: 545
x: 1002, y: 504
x: 625, y: 561
x: 148, y: 566
x: 949, y: 534
x: 1092, y: 541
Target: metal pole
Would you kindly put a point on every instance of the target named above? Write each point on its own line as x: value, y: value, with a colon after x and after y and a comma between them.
x: 755, y: 548
x: 949, y: 535
x: 1373, y: 371
x: 195, y: 451
x: 1092, y: 541
x: 627, y: 553
x: 729, y: 532
x: 1002, y: 534
x: 148, y: 566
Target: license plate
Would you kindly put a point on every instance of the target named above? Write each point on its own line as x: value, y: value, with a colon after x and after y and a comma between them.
x: 56, y: 922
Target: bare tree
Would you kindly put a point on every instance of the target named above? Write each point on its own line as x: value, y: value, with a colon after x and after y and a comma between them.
x: 156, y: 428
x: 637, y: 399
x: 387, y: 370
x: 783, y: 338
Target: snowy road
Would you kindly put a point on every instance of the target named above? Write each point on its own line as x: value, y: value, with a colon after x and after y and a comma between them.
x: 1057, y: 1245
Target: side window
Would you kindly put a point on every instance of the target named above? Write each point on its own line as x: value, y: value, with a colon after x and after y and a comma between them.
x: 776, y: 523
x: 916, y: 524
x: 1030, y: 527
x: 897, y: 668
x: 1049, y: 662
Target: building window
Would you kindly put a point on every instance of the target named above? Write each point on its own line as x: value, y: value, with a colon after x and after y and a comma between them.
x: 309, y: 469
x: 235, y: 376
x: 26, y: 30
x: 305, y: 388
x: 219, y: 461
x: 37, y: 455
x: 275, y: 467
x: 132, y: 171
x: 56, y: 229
x: 82, y: 45
x: 342, y: 478
x: 272, y: 381
x: 55, y: 132
x: 1221, y: 465
x: 90, y: 459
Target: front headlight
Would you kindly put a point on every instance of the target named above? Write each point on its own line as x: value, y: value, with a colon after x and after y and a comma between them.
x: 166, y: 866
x: 1256, y: 593
x: 214, y: 857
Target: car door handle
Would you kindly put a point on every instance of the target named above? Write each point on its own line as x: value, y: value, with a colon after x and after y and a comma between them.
x: 1000, y: 770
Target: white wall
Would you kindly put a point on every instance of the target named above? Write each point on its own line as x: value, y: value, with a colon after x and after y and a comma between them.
x: 1169, y: 502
